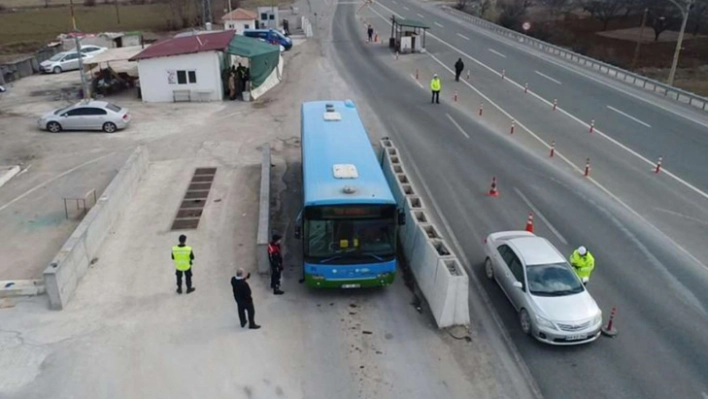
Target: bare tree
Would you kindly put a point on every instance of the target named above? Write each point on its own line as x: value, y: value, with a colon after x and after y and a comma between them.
x: 512, y: 11
x: 557, y: 7
x: 462, y: 4
x: 663, y: 15
x: 698, y: 15
x: 605, y: 10
x: 182, y: 12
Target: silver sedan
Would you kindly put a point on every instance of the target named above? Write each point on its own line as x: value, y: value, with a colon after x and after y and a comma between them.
x: 86, y: 115
x: 552, y: 303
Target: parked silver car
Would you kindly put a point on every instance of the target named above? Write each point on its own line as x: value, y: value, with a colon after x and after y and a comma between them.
x: 553, y: 304
x: 86, y: 115
x: 65, y: 61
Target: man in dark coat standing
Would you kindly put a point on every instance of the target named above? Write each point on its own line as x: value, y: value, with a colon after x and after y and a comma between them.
x: 275, y: 257
x: 459, y: 67
x: 242, y: 295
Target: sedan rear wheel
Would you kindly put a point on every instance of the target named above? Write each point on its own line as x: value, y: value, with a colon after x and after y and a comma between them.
x: 57, y: 69
x: 489, y: 269
x: 54, y: 127
x: 109, y: 127
x: 525, y: 321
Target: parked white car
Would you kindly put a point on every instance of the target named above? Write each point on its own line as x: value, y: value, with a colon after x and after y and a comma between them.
x: 90, y: 49
x: 553, y: 305
x: 64, y: 61
x: 86, y: 115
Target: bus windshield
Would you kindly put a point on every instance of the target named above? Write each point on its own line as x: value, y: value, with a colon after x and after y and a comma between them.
x: 350, y: 234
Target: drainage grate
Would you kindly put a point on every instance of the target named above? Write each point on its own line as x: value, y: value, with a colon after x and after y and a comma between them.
x: 192, y: 207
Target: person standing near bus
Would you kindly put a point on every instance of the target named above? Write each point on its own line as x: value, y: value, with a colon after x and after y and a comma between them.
x: 436, y: 87
x: 183, y: 257
x: 244, y: 299
x: 275, y: 257
x: 370, y: 32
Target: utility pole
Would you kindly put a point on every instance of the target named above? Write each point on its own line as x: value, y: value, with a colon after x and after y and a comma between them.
x: 639, y: 41
x: 685, y: 9
x: 117, y: 12
x: 84, y: 84
x: 73, y: 17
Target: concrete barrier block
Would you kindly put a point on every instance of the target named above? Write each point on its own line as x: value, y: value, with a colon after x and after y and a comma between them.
x: 15, y: 288
x: 390, y: 176
x: 68, y: 267
x: 415, y: 219
x: 442, y: 297
x: 263, y: 235
x: 412, y: 204
x: 424, y: 264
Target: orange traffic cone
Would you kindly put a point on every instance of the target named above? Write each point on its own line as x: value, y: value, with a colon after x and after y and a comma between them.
x: 493, y: 190
x: 529, y: 223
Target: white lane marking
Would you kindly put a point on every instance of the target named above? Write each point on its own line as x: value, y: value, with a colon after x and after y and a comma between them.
x: 420, y: 15
x: 548, y: 77
x: 457, y: 125
x: 416, y: 80
x: 681, y: 215
x: 561, y: 156
x: 59, y: 176
x: 463, y: 36
x: 440, y: 25
x: 406, y: 8
x: 628, y: 116
x: 540, y: 216
x: 497, y: 53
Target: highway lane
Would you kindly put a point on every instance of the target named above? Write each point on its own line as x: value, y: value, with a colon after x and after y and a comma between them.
x: 662, y: 350
x: 667, y: 204
x: 680, y: 141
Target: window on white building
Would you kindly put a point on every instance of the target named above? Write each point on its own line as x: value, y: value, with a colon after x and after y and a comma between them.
x: 185, y: 77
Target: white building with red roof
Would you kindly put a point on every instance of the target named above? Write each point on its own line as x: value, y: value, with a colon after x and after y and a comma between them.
x: 239, y: 20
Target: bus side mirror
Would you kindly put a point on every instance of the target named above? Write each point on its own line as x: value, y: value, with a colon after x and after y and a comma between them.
x: 298, y: 232
x: 401, y: 217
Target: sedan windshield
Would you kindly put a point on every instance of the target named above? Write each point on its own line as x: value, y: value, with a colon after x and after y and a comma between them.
x: 62, y: 110
x: 57, y: 57
x: 556, y: 279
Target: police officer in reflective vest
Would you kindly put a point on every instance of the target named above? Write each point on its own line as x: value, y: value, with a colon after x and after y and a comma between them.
x: 583, y: 263
x: 276, y: 264
x: 435, y: 88
x: 183, y: 257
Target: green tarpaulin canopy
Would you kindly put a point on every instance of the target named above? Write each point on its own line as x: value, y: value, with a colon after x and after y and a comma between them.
x: 264, y: 57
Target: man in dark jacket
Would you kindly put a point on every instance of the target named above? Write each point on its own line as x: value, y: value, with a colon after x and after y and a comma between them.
x: 459, y: 67
x: 276, y: 264
x: 242, y: 295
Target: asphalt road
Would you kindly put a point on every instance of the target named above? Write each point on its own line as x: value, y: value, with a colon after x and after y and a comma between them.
x: 649, y: 128
x: 661, y: 296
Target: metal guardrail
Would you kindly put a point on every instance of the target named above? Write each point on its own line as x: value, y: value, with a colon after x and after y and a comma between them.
x: 643, y: 82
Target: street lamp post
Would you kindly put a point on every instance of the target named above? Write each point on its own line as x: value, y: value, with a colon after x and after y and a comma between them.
x: 685, y: 9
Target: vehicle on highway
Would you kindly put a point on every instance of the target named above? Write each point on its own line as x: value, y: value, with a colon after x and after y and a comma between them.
x: 349, y: 221
x: 271, y: 36
x: 553, y: 304
x: 86, y: 115
x: 64, y: 61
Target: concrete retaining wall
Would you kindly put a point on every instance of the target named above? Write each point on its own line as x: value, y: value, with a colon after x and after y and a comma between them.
x: 264, y: 214
x: 68, y: 267
x: 437, y: 270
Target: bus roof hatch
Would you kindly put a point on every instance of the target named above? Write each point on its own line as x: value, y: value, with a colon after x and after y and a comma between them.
x: 345, y: 171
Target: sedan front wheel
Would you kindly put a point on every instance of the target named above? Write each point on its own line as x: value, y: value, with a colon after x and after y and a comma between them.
x: 525, y: 321
x: 54, y: 127
x: 489, y: 269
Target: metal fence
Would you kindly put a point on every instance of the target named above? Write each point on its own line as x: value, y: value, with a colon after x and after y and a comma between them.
x: 633, y: 79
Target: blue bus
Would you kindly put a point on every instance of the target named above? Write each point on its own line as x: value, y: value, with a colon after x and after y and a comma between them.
x: 271, y: 36
x: 349, y: 220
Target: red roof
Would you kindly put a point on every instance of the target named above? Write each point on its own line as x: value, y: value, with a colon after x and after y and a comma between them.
x: 215, y: 41
x: 239, y: 14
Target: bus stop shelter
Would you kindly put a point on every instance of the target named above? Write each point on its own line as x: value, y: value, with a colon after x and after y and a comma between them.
x: 407, y: 35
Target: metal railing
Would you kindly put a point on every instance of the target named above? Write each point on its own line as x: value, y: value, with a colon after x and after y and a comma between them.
x: 633, y: 79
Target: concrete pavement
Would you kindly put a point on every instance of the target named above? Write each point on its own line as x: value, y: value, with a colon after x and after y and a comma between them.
x: 659, y: 290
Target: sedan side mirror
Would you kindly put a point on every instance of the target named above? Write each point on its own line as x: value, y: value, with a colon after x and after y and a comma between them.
x: 518, y: 285
x: 401, y: 217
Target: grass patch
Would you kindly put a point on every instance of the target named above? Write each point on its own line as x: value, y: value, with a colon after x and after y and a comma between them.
x: 41, y: 25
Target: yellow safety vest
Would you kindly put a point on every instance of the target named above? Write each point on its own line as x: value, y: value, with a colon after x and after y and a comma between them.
x: 182, y: 257
x: 435, y: 85
x: 583, y: 265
